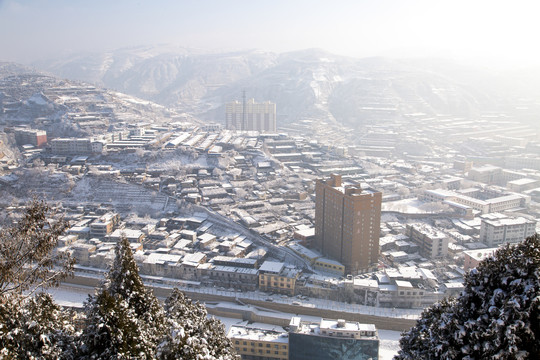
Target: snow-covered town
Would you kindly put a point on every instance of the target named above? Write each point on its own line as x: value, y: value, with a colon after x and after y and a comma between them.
x: 302, y: 197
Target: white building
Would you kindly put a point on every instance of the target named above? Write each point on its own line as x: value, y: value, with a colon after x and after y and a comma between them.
x: 497, y: 229
x: 500, y: 203
x: 73, y: 146
x: 251, y: 116
x: 431, y: 242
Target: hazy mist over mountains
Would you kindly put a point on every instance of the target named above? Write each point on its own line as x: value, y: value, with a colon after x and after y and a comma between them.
x: 310, y: 84
x: 306, y: 84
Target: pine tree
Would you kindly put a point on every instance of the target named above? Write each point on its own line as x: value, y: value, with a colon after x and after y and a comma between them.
x: 192, y: 335
x: 124, y: 319
x: 497, y: 315
x: 27, y: 256
x: 35, y: 328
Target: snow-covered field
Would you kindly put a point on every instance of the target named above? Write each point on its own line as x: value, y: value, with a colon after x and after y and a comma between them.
x: 408, y: 206
x: 389, y: 344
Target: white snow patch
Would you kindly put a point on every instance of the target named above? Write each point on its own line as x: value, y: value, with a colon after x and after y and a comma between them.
x: 388, y: 344
x: 408, y: 206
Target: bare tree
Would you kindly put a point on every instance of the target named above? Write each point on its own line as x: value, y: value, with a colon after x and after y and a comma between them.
x: 28, y: 259
x: 403, y: 192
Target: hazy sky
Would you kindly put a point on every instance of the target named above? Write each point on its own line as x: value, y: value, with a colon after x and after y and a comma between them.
x: 499, y: 32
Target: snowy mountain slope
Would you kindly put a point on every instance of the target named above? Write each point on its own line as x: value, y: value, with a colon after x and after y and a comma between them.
x: 305, y: 84
x: 70, y: 108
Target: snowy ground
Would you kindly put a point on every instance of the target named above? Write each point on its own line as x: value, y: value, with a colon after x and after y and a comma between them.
x: 408, y: 206
x: 70, y: 295
x: 412, y: 314
x: 389, y: 344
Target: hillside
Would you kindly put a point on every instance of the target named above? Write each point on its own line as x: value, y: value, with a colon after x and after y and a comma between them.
x: 71, y: 108
x: 307, y: 84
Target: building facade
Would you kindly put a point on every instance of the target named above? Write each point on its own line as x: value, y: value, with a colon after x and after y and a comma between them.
x: 250, y: 116
x: 259, y: 344
x: 472, y: 258
x: 497, y: 229
x: 37, y: 138
x: 72, y: 146
x: 347, y: 224
x: 332, y: 339
x: 432, y: 243
x: 277, y: 277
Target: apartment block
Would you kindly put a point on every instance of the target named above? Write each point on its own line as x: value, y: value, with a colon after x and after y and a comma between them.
x: 497, y: 229
x: 276, y: 277
x: 259, y: 344
x: 104, y: 225
x: 332, y: 339
x: 29, y: 136
x: 431, y: 242
x: 251, y: 116
x: 505, y: 202
x: 347, y: 223
x: 76, y: 146
x: 472, y: 258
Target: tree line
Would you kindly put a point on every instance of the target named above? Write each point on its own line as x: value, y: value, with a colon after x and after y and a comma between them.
x: 122, y: 320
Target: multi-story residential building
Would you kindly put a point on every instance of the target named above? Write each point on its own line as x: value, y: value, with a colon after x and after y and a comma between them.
x: 259, y: 344
x: 500, y: 203
x: 277, y: 277
x: 29, y: 136
x: 487, y: 174
x: 431, y: 242
x: 251, y: 116
x: 234, y: 277
x: 497, y: 229
x: 332, y: 339
x: 104, y: 225
x: 523, y: 184
x: 472, y: 258
x: 317, y: 261
x: 403, y: 294
x: 76, y: 146
x: 524, y: 161
x: 347, y: 223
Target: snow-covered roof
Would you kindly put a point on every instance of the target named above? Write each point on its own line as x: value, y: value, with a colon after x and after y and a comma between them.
x: 272, y: 267
x: 256, y: 334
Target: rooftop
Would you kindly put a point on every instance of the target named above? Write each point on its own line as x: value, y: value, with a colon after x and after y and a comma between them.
x: 247, y: 333
x: 272, y: 267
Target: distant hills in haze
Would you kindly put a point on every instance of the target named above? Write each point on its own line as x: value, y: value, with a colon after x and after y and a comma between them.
x: 306, y: 84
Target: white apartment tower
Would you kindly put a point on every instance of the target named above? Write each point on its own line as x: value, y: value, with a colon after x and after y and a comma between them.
x: 497, y: 229
x: 250, y: 116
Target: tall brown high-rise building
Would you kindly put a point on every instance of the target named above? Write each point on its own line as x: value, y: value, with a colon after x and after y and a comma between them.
x: 347, y: 224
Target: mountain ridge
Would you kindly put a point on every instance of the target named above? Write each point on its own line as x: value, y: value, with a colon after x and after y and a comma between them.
x: 306, y: 84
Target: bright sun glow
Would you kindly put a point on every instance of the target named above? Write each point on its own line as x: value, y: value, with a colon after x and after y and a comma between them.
x: 496, y: 33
